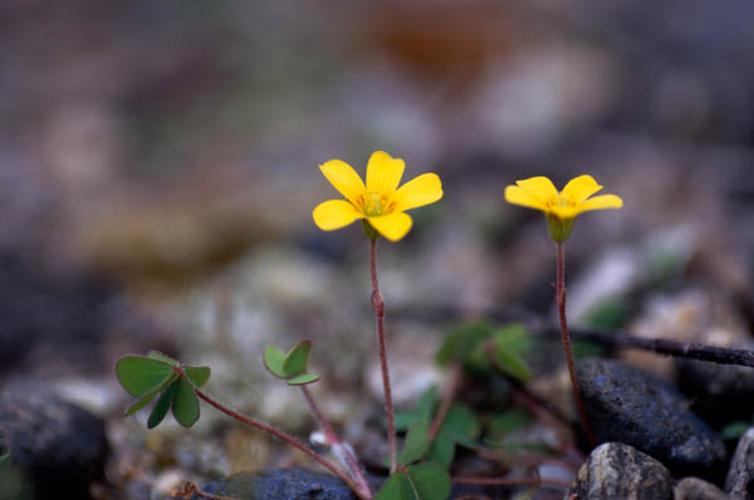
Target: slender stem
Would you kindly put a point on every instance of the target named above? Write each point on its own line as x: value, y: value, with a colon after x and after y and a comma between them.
x: 378, y: 304
x: 292, y: 441
x: 560, y: 298
x: 447, y: 401
x: 343, y: 451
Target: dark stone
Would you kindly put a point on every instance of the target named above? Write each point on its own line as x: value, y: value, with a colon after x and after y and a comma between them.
x: 693, y: 488
x: 59, y: 446
x: 720, y: 393
x: 282, y: 484
x: 740, y: 480
x: 628, y: 405
x: 616, y: 470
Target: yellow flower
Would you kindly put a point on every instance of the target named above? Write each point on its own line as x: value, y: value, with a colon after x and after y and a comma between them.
x: 380, y: 201
x: 561, y: 208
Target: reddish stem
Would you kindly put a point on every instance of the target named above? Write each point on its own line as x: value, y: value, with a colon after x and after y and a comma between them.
x: 343, y: 451
x: 378, y: 304
x: 560, y: 298
x: 292, y: 441
x: 523, y: 481
x: 447, y: 401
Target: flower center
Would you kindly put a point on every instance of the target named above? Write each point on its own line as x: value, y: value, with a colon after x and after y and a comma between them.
x: 374, y: 204
x: 560, y: 202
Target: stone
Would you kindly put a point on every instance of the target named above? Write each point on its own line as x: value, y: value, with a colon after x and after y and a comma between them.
x: 740, y: 480
x: 58, y: 445
x: 281, y: 484
x: 616, y: 470
x: 628, y: 405
x: 693, y: 488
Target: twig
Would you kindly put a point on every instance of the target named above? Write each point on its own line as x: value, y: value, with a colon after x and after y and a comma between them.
x: 378, y: 304
x: 692, y: 350
x: 190, y: 490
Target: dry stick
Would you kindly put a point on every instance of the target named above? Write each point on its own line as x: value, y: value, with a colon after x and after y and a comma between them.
x: 379, y: 314
x: 720, y: 355
x: 560, y: 298
x: 342, y: 450
x: 256, y: 424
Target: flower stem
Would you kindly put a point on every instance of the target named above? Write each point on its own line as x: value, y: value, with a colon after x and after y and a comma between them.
x: 292, y: 441
x: 560, y: 298
x: 343, y: 451
x: 379, y: 314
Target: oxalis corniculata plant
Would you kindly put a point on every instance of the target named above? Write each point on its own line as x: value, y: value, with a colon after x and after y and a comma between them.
x: 561, y: 209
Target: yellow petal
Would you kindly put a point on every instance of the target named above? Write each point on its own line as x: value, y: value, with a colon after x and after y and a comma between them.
x: 343, y: 178
x: 580, y: 188
x: 517, y: 196
x: 540, y: 187
x: 384, y: 173
x: 417, y: 192
x: 392, y: 226
x: 334, y: 214
x: 601, y: 203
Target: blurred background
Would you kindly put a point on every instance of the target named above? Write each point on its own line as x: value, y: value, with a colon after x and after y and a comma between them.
x: 158, y: 168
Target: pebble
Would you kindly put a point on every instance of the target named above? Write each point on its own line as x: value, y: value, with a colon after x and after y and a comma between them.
x: 60, y: 446
x: 628, y: 405
x: 741, y: 471
x: 693, y: 488
x: 616, y: 470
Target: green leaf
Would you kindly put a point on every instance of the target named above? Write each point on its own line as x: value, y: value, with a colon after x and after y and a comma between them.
x: 416, y: 444
x: 431, y: 481
x: 140, y: 374
x: 512, y: 344
x: 303, y: 379
x: 421, y: 413
x: 198, y: 375
x: 163, y: 405
x: 162, y: 357
x: 505, y: 423
x: 462, y: 341
x: 734, y: 430
x: 397, y: 487
x: 274, y: 359
x: 297, y: 359
x: 4, y: 459
x: 185, y: 404
x: 462, y: 424
x: 609, y: 314
x: 148, y: 396
x: 443, y: 449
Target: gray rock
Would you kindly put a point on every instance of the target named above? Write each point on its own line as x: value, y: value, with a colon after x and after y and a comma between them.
x: 282, y: 484
x: 721, y: 393
x: 616, y: 470
x: 59, y: 446
x: 627, y: 405
x: 740, y: 480
x: 693, y: 488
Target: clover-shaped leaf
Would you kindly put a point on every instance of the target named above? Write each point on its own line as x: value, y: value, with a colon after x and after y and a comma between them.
x: 290, y: 366
x: 427, y: 481
x: 144, y: 377
x: 511, y: 346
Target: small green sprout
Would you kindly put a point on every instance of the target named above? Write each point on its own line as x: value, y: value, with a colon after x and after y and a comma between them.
x: 290, y: 366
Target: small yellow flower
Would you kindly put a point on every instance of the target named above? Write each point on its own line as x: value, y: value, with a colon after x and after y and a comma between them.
x: 561, y: 208
x: 380, y: 201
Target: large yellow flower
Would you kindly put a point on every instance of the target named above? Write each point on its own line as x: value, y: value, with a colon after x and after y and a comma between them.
x: 380, y: 201
x: 561, y: 208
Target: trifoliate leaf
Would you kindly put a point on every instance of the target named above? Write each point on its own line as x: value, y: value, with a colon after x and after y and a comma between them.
x: 297, y: 359
x: 149, y: 396
x: 303, y: 379
x: 163, y: 405
x: 397, y: 487
x: 198, y: 375
x: 140, y: 374
x: 415, y: 445
x: 462, y: 424
x: 431, y: 481
x: 443, y: 449
x: 512, y: 344
x: 274, y: 359
x: 502, y: 424
x: 185, y: 404
x: 462, y: 341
